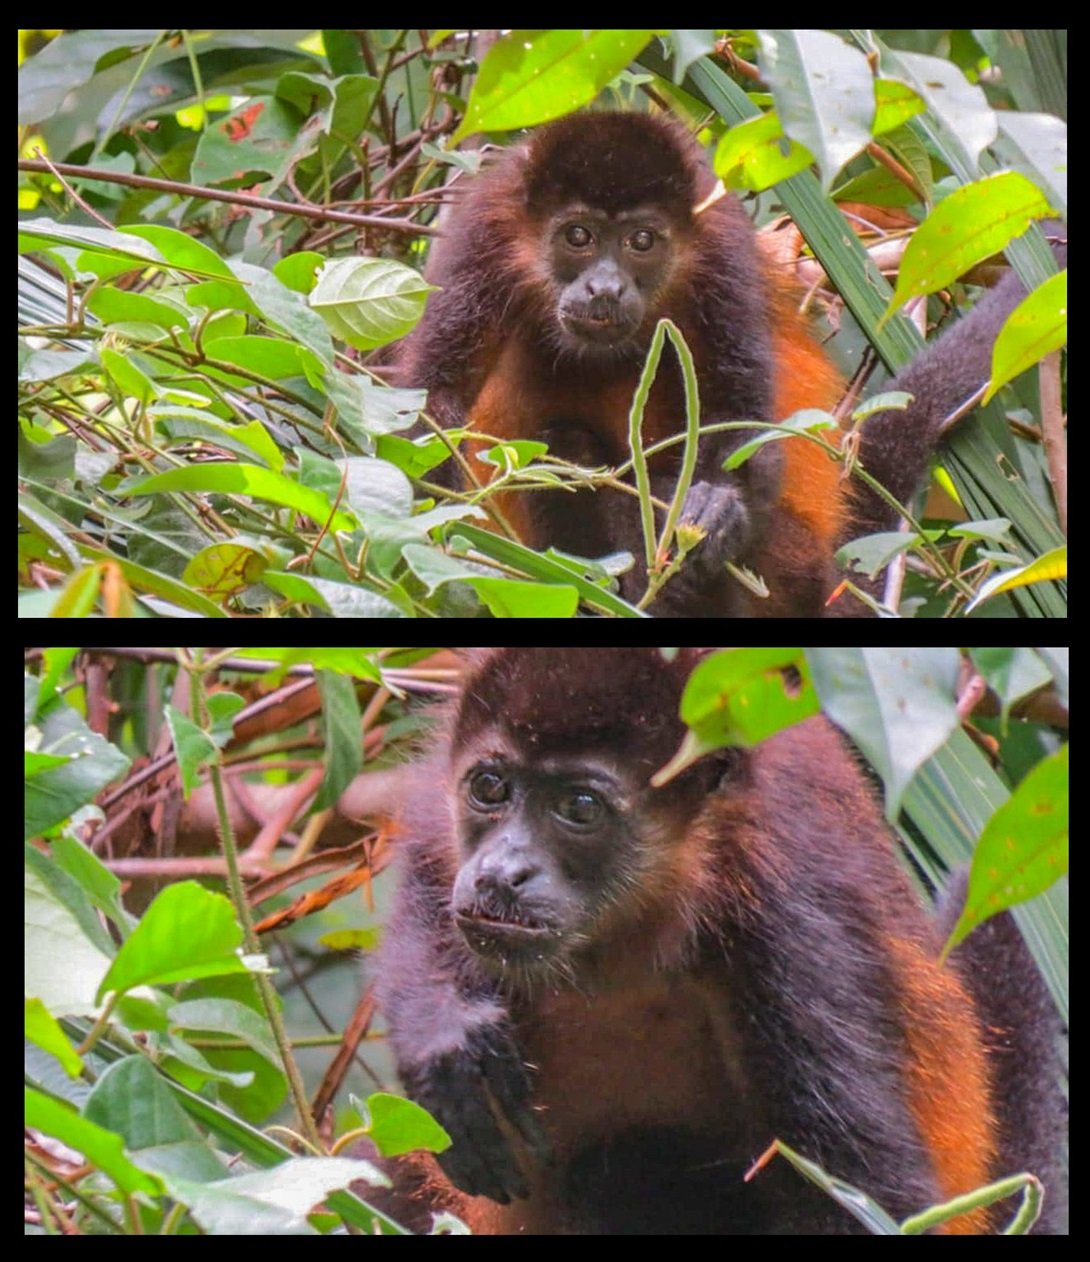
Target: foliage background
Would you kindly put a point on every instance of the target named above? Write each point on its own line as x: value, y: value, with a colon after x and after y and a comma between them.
x: 129, y: 889
x: 208, y: 428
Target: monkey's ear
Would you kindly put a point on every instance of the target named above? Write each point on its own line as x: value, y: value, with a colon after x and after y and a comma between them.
x: 727, y: 770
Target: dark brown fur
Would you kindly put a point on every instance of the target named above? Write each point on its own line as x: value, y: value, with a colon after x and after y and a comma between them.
x: 487, y: 349
x: 759, y: 969
x: 491, y: 354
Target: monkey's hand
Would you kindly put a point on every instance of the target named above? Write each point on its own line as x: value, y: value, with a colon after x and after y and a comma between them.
x: 731, y: 512
x: 464, y: 1089
x: 720, y: 511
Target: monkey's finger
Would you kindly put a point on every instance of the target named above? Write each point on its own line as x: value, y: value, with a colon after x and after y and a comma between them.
x: 510, y: 1090
x: 508, y: 1079
x: 475, y: 1178
x: 481, y: 1161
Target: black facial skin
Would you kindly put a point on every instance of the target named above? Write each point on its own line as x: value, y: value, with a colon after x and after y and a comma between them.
x: 542, y: 851
x: 608, y: 269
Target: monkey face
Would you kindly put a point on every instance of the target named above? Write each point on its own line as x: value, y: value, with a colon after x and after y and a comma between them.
x: 543, y: 850
x: 608, y: 274
x: 559, y: 833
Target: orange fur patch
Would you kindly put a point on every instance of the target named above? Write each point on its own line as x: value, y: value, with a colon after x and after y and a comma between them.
x: 948, y: 1078
x: 805, y: 378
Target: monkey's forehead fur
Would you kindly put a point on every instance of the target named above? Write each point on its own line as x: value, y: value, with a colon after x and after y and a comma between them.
x: 615, y: 161
x: 561, y: 701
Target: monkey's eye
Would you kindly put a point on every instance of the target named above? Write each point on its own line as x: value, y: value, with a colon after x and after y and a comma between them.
x: 488, y: 789
x: 642, y: 240
x: 583, y: 809
x: 577, y: 236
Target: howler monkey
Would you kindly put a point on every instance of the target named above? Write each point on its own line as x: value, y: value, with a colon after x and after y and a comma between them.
x: 614, y: 997
x: 555, y: 268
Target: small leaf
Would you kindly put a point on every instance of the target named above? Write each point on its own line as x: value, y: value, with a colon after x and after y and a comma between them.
x: 246, y: 479
x: 973, y: 223
x: 896, y: 704
x: 530, y: 77
x: 369, y: 302
x: 186, y: 933
x: 755, y: 154
x: 399, y: 1126
x: 1050, y: 565
x: 1036, y: 327
x: 1023, y: 848
x: 740, y: 697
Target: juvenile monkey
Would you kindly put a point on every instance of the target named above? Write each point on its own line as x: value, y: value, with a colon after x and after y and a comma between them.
x: 614, y: 996
x: 555, y: 268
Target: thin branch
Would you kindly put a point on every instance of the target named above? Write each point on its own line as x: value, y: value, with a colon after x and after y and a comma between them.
x: 222, y: 195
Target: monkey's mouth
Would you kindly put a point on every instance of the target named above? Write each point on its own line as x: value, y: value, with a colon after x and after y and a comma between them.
x: 492, y: 933
x: 606, y: 327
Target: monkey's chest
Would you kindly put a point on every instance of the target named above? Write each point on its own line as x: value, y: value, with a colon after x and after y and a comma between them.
x: 582, y: 415
x: 665, y: 1054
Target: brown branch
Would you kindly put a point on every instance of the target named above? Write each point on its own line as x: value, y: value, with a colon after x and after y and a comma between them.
x: 222, y: 195
x: 1052, y: 432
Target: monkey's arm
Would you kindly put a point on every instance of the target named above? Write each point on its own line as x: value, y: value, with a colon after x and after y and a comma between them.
x: 727, y: 328
x: 451, y: 350
x: 455, y: 1048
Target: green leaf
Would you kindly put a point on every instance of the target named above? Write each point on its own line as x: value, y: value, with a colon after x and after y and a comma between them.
x: 340, y: 736
x: 1023, y: 848
x: 516, y: 454
x: 751, y: 154
x: 870, y: 554
x: 1012, y: 673
x: 505, y: 597
x: 193, y: 747
x: 187, y: 932
x: 550, y: 567
x: 42, y: 1029
x: 1035, y: 145
x: 343, y: 600
x: 896, y: 704
x: 247, y: 479
x: 520, y: 598
x: 398, y: 1126
x: 37, y: 234
x: 251, y: 439
x: 1051, y: 565
x: 100, y: 1147
x: 300, y: 271
x: 807, y: 421
x: 895, y: 104
x: 741, y: 697
x: 271, y: 1202
x: 530, y: 77
x: 91, y: 763
x: 973, y: 223
x: 131, y: 381
x: 230, y: 1018
x: 113, y: 305
x: 369, y: 302
x: 996, y: 530
x: 180, y: 249
x: 1037, y: 326
x: 271, y: 357
x: 223, y: 569
x: 416, y: 460
x: 877, y: 1221
x: 162, y: 585
x: 961, y: 108
x: 824, y: 94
